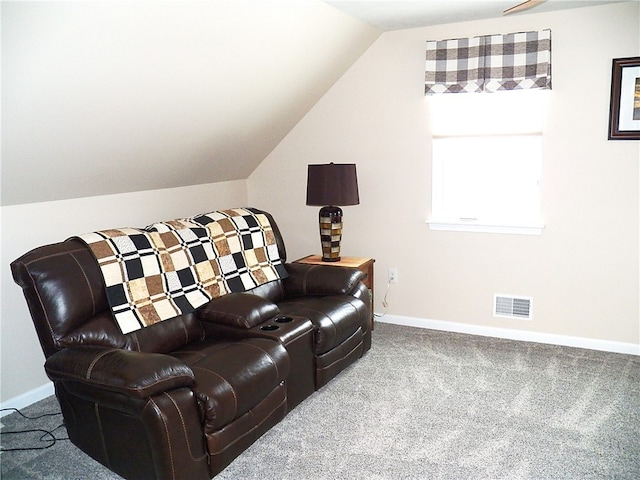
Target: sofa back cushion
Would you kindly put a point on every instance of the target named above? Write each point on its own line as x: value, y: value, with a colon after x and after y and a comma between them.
x: 65, y: 293
x: 174, y: 267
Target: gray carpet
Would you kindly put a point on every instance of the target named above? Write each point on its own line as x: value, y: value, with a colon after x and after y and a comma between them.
x: 424, y: 404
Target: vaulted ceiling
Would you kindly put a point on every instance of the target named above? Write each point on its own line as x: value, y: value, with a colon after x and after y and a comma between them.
x: 110, y: 97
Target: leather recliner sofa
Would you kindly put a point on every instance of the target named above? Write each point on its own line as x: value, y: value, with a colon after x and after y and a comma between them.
x: 184, y: 397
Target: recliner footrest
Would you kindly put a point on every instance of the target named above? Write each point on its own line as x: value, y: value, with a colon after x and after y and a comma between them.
x: 231, y: 378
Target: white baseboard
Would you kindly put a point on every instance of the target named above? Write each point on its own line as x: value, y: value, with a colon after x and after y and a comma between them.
x: 26, y: 399
x: 523, y: 335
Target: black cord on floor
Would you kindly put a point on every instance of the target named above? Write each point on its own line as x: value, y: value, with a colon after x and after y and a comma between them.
x: 48, y: 435
x: 30, y: 418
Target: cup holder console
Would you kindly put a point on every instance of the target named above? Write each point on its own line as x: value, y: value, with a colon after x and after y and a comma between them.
x: 283, y: 320
x: 269, y: 327
x: 276, y: 322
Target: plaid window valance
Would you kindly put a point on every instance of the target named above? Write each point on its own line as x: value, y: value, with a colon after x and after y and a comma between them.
x: 489, y: 63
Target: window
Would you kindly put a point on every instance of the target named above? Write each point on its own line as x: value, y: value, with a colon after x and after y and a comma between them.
x: 487, y: 160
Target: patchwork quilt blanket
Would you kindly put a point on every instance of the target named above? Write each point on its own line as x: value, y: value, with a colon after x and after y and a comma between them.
x: 172, y: 268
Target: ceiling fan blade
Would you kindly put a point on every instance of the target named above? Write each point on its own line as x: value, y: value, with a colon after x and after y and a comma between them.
x: 522, y: 6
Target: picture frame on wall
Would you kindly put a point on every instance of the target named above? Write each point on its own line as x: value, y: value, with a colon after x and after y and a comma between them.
x: 624, y: 111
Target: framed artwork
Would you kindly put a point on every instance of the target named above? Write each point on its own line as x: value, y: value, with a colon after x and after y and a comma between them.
x: 624, y: 112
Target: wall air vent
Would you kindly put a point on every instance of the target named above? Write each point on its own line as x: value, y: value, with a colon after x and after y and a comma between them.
x: 512, y: 307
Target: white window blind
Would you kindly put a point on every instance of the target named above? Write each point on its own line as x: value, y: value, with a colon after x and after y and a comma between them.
x: 487, y: 160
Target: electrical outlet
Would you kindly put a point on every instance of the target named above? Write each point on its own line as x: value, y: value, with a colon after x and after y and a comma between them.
x: 393, y: 275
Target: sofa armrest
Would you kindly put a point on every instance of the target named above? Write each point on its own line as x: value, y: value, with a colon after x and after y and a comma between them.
x: 136, y: 374
x: 240, y: 310
x: 307, y: 279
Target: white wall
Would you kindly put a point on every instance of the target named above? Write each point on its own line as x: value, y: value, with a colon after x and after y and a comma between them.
x: 582, y: 272
x: 31, y: 225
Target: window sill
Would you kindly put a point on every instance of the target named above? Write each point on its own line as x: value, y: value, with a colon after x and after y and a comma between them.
x: 485, y: 227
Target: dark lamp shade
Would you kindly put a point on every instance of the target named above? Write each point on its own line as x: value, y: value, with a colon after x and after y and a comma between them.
x: 332, y: 184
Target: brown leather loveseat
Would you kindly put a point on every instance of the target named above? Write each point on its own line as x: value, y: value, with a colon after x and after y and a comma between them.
x: 184, y: 397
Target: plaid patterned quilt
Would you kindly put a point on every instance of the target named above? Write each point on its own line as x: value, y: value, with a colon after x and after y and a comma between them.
x: 171, y: 268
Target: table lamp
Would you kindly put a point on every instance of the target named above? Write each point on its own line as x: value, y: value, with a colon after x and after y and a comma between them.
x: 331, y: 186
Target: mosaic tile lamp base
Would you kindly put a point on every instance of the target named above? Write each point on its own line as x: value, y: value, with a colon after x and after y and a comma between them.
x: 330, y: 218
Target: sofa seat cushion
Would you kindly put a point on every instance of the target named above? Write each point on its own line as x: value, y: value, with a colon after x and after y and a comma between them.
x: 335, y: 317
x: 231, y: 378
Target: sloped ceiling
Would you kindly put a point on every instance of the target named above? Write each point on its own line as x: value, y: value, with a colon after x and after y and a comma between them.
x: 111, y: 97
